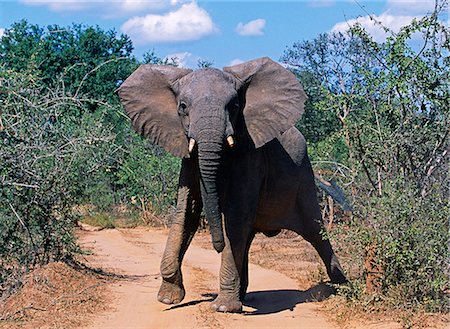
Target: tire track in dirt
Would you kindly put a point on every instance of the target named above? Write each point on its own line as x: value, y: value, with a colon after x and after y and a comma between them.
x: 273, y: 300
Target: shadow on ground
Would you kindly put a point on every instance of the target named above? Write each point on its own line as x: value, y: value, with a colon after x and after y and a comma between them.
x: 274, y: 301
x: 207, y: 298
x: 86, y: 268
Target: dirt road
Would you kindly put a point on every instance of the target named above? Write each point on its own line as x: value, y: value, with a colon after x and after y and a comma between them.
x: 273, y: 300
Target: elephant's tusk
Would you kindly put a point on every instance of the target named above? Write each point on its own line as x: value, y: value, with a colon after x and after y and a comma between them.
x: 191, y: 145
x: 230, y: 141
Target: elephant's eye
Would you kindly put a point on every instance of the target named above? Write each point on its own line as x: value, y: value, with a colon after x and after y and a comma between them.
x: 182, y: 109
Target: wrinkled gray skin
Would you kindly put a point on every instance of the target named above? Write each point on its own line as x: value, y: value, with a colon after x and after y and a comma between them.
x: 263, y: 183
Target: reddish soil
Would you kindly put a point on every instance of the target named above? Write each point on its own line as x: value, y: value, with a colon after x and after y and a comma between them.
x: 274, y: 300
x: 285, y: 289
x: 55, y: 296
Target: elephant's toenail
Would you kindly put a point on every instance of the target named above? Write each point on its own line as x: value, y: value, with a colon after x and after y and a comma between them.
x: 166, y: 301
x: 222, y: 308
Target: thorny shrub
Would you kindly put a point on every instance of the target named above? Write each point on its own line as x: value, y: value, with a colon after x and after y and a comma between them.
x: 48, y: 155
x: 391, y: 100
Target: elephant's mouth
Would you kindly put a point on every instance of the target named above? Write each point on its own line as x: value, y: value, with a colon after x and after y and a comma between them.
x: 192, y: 142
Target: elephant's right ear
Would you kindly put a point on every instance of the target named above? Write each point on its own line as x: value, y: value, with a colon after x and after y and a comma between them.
x: 151, y: 105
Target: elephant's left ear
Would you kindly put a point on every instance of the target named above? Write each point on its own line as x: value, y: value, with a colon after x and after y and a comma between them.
x: 274, y: 99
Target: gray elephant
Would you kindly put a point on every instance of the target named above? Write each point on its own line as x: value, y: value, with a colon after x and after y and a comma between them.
x: 244, y: 163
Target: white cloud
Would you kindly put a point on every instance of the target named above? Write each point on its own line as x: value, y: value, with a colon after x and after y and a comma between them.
x: 104, y: 7
x: 59, y: 5
x: 372, y: 24
x: 189, y: 22
x: 397, y: 13
x: 418, y: 8
x: 252, y: 28
x: 321, y: 3
x: 410, y: 7
x: 140, y: 5
x: 2, y: 31
x: 236, y: 61
x: 183, y: 59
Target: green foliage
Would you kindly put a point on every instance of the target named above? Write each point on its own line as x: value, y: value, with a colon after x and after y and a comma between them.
x: 331, y: 149
x: 47, y: 155
x: 204, y: 63
x: 100, y: 220
x: 87, y: 60
x: 87, y: 65
x: 65, y: 141
x: 148, y: 172
x: 381, y: 118
x: 408, y: 235
x: 318, y: 122
x: 150, y: 57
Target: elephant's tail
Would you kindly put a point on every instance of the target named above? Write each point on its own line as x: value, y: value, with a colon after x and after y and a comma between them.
x: 333, y: 190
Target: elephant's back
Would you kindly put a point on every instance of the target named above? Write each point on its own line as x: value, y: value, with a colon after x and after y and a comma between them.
x: 294, y: 143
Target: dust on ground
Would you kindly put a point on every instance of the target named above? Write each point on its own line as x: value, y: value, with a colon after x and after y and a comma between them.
x: 274, y: 300
x: 287, y: 253
x: 286, y: 288
x: 55, y: 296
x: 290, y: 254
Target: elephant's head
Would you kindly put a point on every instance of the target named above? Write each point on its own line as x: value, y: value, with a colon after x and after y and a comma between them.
x: 178, y: 108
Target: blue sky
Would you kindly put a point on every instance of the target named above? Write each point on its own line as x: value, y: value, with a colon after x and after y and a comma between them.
x: 224, y: 32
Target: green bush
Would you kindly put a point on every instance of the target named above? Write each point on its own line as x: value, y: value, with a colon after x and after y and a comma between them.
x: 398, y: 241
x: 65, y: 142
x: 48, y: 156
x: 390, y: 153
x: 101, y: 220
x: 149, y: 174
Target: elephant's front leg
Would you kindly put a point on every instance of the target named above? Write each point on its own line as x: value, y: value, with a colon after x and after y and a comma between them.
x: 180, y: 236
x: 233, y: 273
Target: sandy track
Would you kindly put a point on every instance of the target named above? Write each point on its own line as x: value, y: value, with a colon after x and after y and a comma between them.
x: 273, y: 301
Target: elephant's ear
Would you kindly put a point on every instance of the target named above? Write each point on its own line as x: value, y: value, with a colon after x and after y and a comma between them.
x: 151, y: 105
x: 274, y: 99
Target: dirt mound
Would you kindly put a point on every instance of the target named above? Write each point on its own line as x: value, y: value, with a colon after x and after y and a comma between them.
x: 55, y: 295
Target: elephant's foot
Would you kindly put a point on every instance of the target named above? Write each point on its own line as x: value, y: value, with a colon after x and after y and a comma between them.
x: 337, y: 275
x: 171, y: 291
x: 226, y: 305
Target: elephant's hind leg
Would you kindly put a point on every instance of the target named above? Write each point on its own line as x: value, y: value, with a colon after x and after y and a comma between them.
x: 313, y: 234
x: 311, y: 228
x: 244, y: 271
x: 171, y: 290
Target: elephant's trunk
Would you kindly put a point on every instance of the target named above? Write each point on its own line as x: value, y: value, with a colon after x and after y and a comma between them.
x: 209, y: 158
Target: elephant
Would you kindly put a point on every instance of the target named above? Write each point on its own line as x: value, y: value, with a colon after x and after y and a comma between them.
x: 244, y: 164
